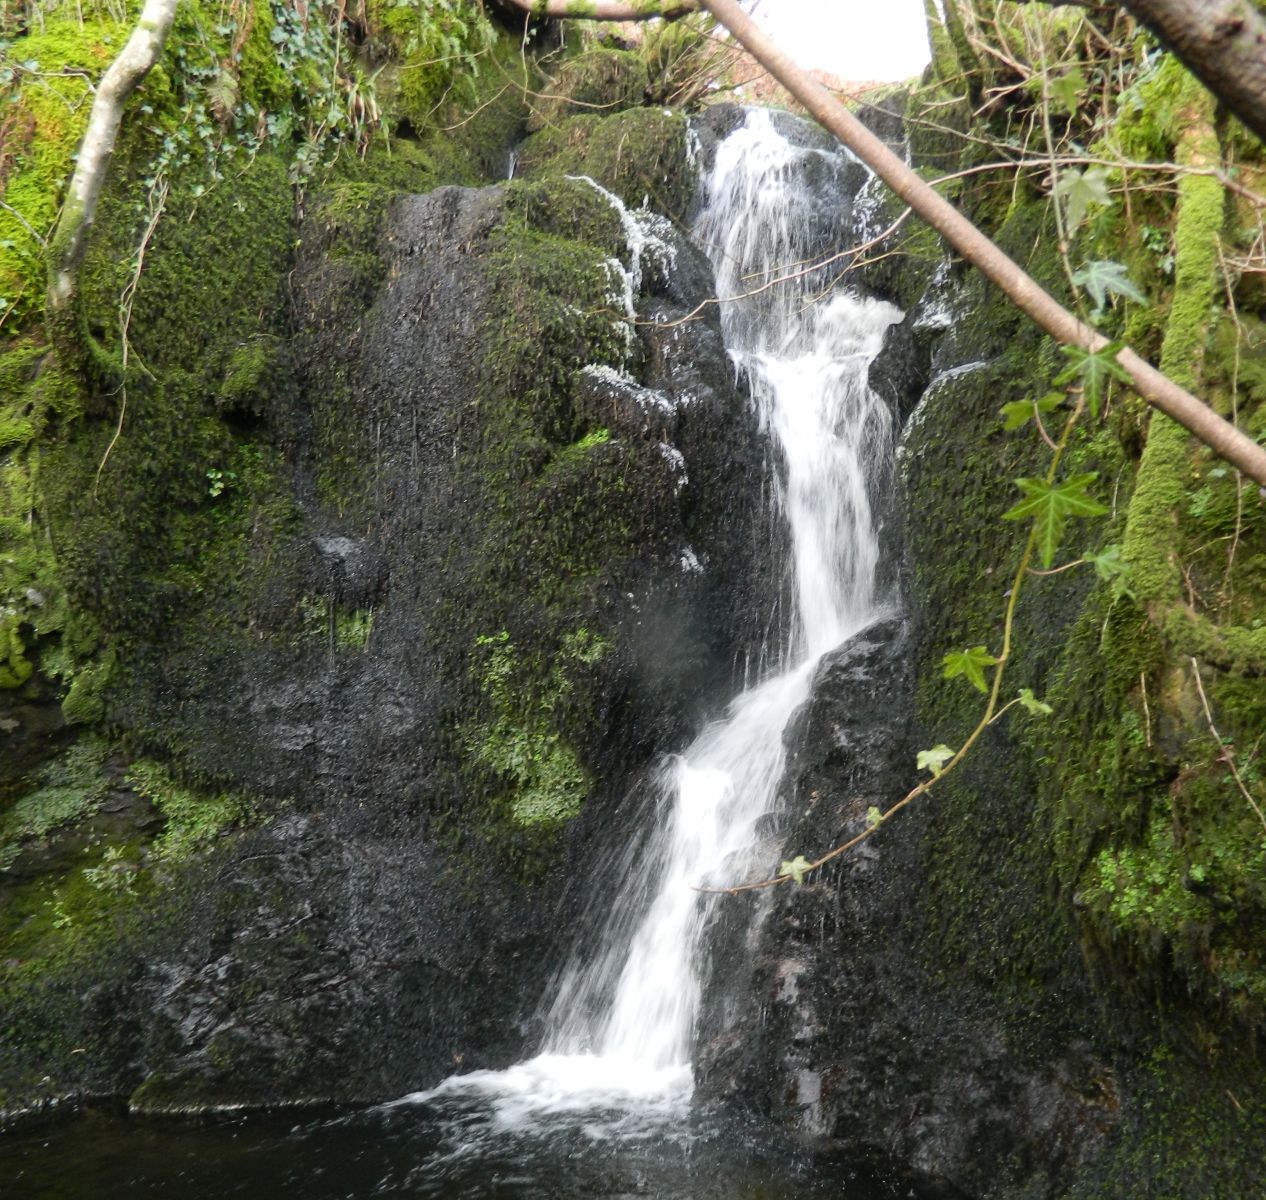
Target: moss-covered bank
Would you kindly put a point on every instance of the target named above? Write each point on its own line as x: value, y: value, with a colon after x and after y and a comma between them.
x: 1100, y: 873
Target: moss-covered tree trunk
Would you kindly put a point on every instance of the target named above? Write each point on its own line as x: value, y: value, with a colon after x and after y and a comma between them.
x: 69, y: 240
x: 1151, y: 538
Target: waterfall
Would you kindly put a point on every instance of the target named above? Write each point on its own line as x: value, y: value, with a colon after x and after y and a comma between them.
x: 621, y: 1022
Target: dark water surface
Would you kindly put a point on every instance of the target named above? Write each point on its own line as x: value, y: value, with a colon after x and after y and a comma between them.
x: 454, y: 1150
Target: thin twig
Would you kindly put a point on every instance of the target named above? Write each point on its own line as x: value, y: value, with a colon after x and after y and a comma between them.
x: 986, y: 719
x: 1147, y: 712
x: 853, y: 253
x: 1041, y: 428
x: 1077, y: 562
x: 159, y: 197
x: 17, y: 216
x: 1226, y: 755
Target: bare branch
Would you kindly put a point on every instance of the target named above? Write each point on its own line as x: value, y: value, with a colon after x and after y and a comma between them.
x: 1222, y: 43
x: 119, y: 82
x: 607, y: 10
x: 1158, y: 390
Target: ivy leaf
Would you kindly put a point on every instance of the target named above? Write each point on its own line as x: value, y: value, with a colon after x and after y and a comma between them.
x: 1067, y: 90
x: 1108, y: 563
x: 873, y: 817
x: 970, y: 664
x: 1079, y: 190
x: 1050, y: 505
x: 1091, y: 370
x: 934, y: 760
x: 1020, y: 412
x: 1033, y: 705
x: 795, y: 868
x: 1112, y: 569
x: 1104, y: 277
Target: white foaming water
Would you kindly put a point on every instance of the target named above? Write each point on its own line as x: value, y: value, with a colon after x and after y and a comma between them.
x: 622, y: 1020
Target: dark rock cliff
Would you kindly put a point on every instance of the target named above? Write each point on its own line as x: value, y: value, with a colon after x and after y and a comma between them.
x: 521, y: 547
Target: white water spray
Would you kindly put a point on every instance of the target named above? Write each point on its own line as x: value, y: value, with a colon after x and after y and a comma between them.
x: 621, y: 1024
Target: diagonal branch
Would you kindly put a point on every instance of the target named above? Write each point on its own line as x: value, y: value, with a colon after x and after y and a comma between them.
x: 1158, y: 390
x: 608, y: 10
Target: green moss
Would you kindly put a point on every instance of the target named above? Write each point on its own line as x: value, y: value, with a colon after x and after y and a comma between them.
x: 85, y: 701
x: 521, y: 745
x: 67, y: 790
x: 257, y: 370
x: 964, y: 56
x: 595, y: 437
x: 559, y: 316
x: 1237, y: 364
x: 600, y: 79
x: 640, y: 155
x: 193, y: 818
x: 1181, y: 1137
x: 54, y: 917
x: 1150, y: 532
x: 1149, y: 117
x: 45, y: 116
x: 1142, y: 887
x: 565, y: 208
x: 323, y: 620
x: 15, y: 669
x: 944, y: 65
x: 36, y: 396
x: 441, y: 45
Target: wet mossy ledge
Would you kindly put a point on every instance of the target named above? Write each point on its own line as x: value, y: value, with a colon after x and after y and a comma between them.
x: 332, y: 623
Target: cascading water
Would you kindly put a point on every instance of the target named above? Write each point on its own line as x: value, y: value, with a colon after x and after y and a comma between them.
x: 621, y: 1023
x: 601, y: 1114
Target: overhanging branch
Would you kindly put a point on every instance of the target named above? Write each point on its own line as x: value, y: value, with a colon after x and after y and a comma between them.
x: 1221, y: 42
x: 1162, y: 393
x: 607, y: 10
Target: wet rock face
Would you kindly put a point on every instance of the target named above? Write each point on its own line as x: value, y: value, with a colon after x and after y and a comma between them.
x: 842, y: 1024
x: 481, y: 449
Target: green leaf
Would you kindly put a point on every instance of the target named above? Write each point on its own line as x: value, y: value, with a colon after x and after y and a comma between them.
x: 1033, y: 705
x: 1020, y: 412
x: 1102, y: 278
x: 1108, y: 563
x: 970, y: 664
x: 795, y: 868
x: 873, y: 817
x: 1091, y: 370
x: 1079, y: 190
x: 934, y: 760
x: 1067, y: 90
x: 1050, y: 506
x: 1111, y: 568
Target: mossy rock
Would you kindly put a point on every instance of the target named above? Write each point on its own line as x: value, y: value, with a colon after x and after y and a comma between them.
x: 84, y: 703
x: 601, y: 81
x: 15, y: 667
x: 640, y: 155
x: 566, y: 208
